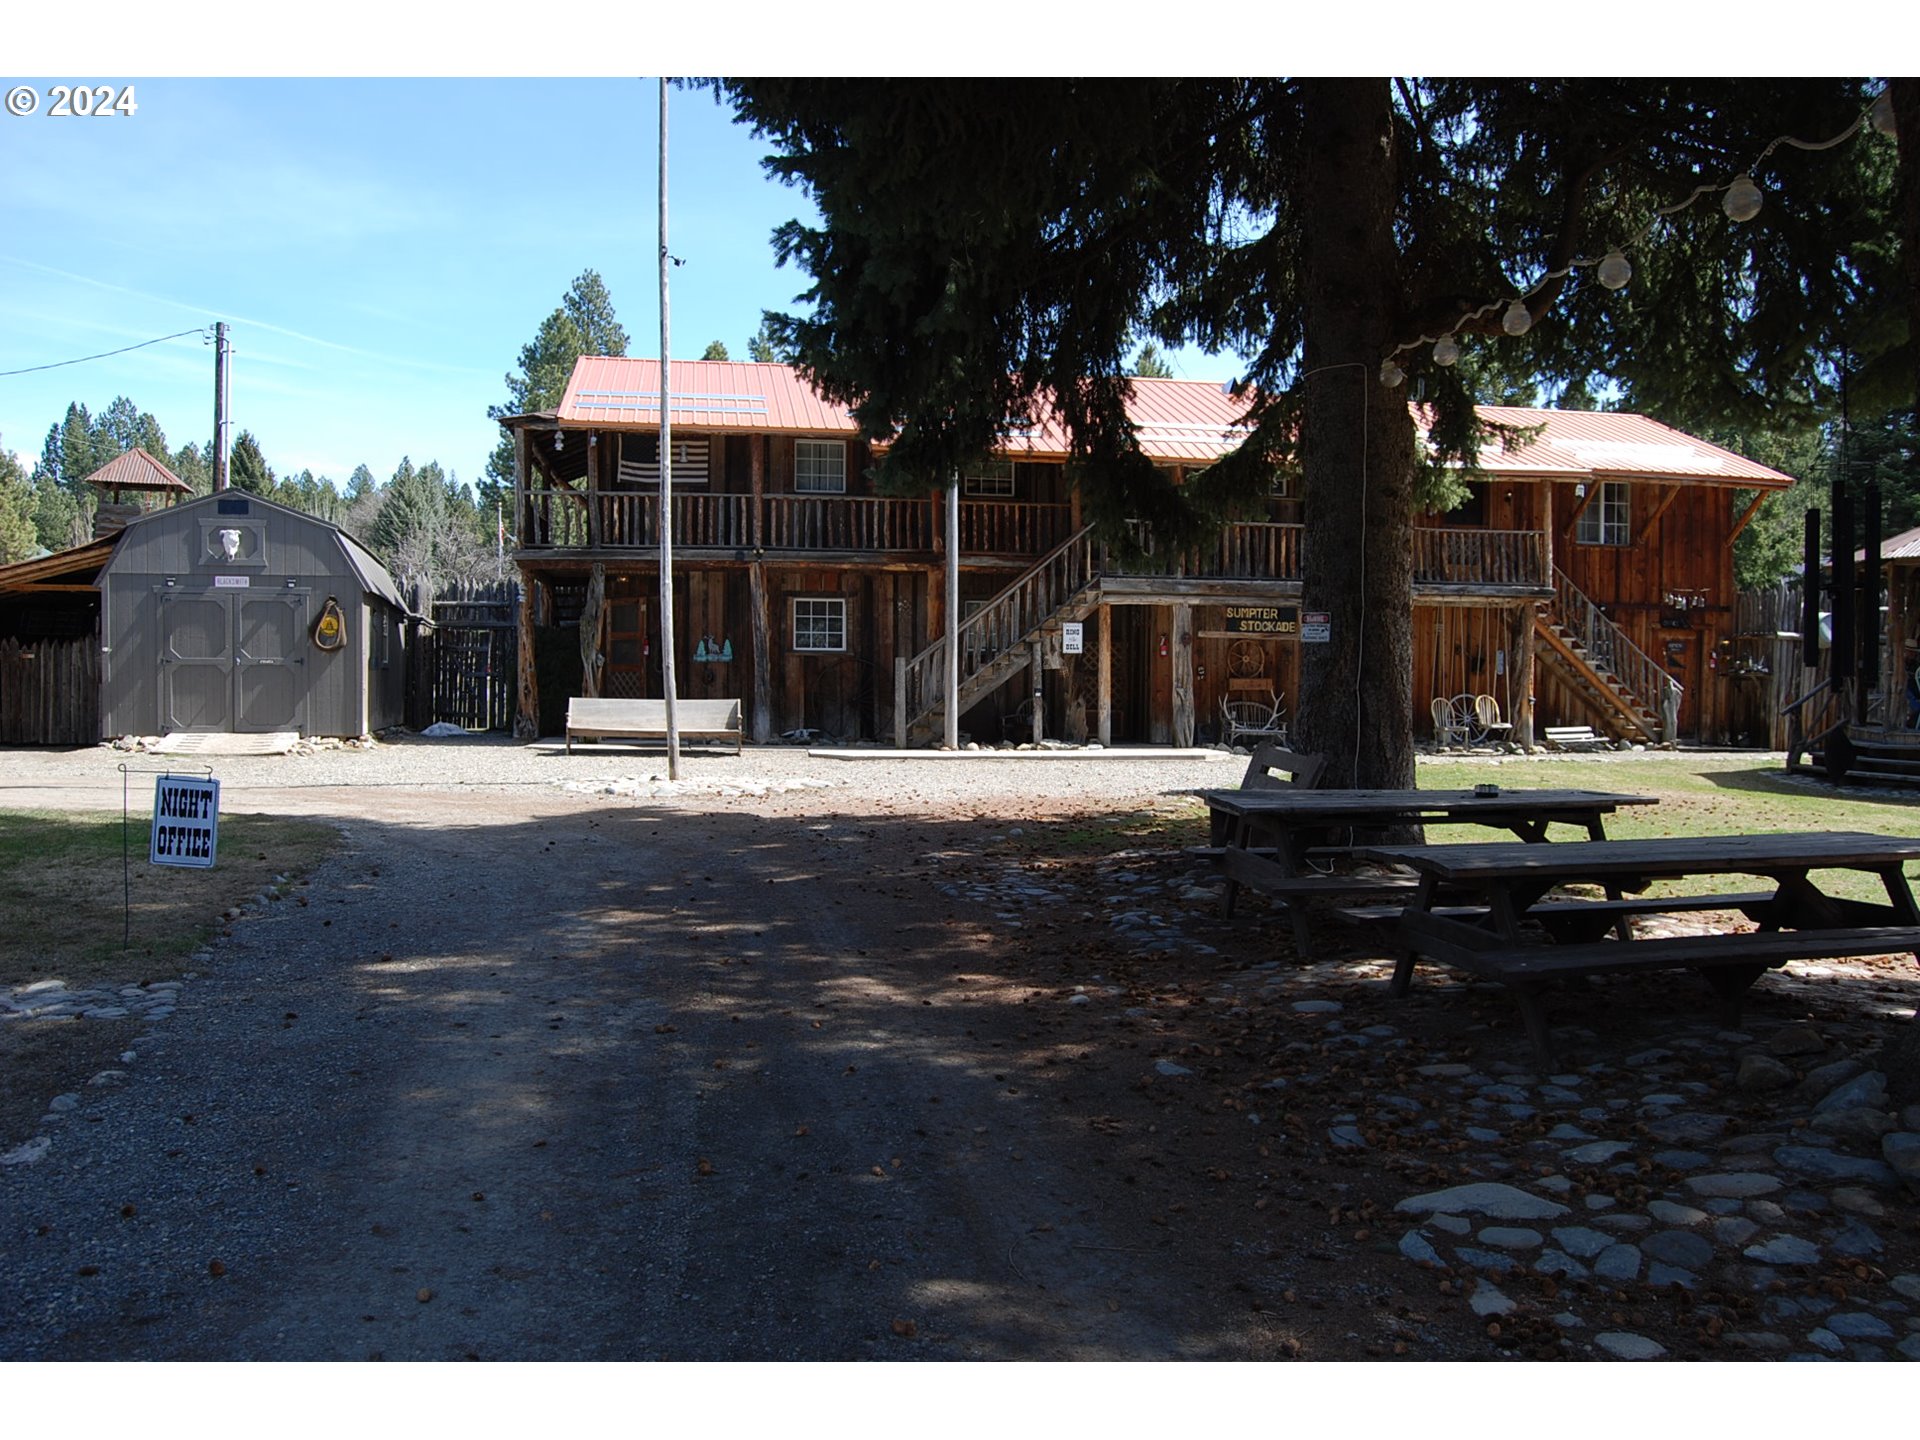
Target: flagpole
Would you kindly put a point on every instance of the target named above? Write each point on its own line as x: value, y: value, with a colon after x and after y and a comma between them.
x: 666, y: 471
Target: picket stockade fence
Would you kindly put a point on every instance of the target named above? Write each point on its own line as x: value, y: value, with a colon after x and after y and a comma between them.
x: 466, y: 660
x: 50, y: 692
x: 1765, y: 664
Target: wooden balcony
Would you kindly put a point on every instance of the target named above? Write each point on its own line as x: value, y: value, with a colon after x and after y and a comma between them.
x: 796, y: 526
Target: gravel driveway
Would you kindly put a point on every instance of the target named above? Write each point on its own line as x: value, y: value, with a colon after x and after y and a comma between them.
x: 557, y: 1061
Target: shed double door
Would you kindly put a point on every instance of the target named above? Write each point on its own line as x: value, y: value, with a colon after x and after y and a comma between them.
x: 233, y: 662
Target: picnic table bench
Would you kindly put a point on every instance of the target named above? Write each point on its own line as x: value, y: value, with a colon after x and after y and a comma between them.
x: 590, y: 718
x: 1517, y: 891
x: 1269, y: 840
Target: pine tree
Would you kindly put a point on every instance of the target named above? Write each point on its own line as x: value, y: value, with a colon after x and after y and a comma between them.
x: 584, y: 324
x: 247, y: 467
x: 716, y: 350
x: 768, y: 346
x: 18, y: 539
x: 1150, y: 364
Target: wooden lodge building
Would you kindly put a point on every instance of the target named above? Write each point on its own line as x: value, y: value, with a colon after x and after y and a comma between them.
x: 1588, y: 579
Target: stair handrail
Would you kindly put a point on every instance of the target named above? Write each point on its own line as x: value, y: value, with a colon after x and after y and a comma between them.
x: 1650, y: 686
x: 1009, y: 616
x: 1831, y: 715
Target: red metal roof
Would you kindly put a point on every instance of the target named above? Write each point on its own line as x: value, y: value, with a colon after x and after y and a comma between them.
x: 137, y: 470
x: 1190, y: 422
x: 1611, y: 445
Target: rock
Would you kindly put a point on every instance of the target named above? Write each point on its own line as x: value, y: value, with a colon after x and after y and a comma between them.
x: 1170, y: 1069
x: 1768, y: 1342
x: 1599, y: 1152
x: 1856, y: 1240
x: 1487, y: 1300
x: 1761, y: 1073
x: 1859, y: 1325
x: 1568, y: 1132
x: 1318, y: 1007
x: 1079, y: 1000
x: 1347, y: 1137
x: 1682, y: 1159
x: 1618, y: 1262
x: 31, y: 1153
x: 1489, y: 1198
x: 1860, y: 1124
x: 1624, y: 1345
x: 1688, y: 1128
x: 1499, y: 1262
x: 1734, y: 1230
x: 1784, y: 1250
x: 1825, y: 1340
x: 1816, y: 1164
x: 1857, y: 1202
x: 1906, y: 1286
x: 1580, y: 1241
x: 61, y: 1104
x: 1800, y: 1039
x: 1660, y: 1276
x: 1678, y: 1247
x: 1902, y: 1152
x: 1741, y: 1184
x: 1822, y: 1079
x: 1416, y: 1248
x: 1668, y: 1213
x: 1555, y: 1262
x: 1909, y: 1348
x: 1868, y: 1090
x: 1511, y: 1237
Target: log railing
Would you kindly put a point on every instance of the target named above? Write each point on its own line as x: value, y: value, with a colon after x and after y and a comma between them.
x: 996, y: 627
x: 1611, y: 653
x: 1479, y: 557
x: 846, y: 522
x: 1009, y: 527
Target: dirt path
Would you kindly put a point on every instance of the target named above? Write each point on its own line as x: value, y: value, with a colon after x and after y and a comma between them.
x: 609, y: 1084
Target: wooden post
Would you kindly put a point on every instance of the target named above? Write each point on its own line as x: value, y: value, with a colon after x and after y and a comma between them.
x: 952, y: 666
x: 1520, y: 659
x: 522, y: 502
x: 899, y: 702
x: 1182, y: 675
x: 590, y: 486
x: 1103, y: 677
x: 526, y: 719
x: 762, y: 721
x: 757, y: 481
x: 1037, y: 654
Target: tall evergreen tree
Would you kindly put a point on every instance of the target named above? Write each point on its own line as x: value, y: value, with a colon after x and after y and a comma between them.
x: 584, y: 324
x: 247, y: 467
x: 716, y: 350
x: 991, y: 247
x: 765, y: 346
x: 1150, y: 364
x: 18, y: 538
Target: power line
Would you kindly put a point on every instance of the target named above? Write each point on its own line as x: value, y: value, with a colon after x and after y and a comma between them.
x: 202, y: 330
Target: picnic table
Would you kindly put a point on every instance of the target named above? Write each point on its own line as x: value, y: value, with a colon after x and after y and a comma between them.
x: 1269, y: 839
x: 1514, y: 928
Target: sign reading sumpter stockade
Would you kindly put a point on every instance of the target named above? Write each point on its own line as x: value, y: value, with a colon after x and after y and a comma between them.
x: 186, y: 820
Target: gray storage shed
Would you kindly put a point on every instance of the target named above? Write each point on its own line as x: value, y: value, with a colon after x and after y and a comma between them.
x: 215, y: 616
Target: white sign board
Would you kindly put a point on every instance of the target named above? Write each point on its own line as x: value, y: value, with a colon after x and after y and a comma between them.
x: 1316, y: 627
x: 186, y: 820
x: 1072, y: 637
x: 232, y: 582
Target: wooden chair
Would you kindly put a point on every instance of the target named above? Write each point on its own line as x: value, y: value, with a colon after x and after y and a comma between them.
x: 1270, y: 763
x: 1488, y: 727
x: 1253, y: 720
x: 1449, y: 724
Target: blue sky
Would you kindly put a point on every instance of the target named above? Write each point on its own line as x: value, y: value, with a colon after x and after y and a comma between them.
x: 382, y: 247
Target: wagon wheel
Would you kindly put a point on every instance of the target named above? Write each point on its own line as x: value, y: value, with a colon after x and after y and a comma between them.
x: 1246, y: 659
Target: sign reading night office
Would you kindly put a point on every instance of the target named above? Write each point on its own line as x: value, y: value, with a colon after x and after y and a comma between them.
x: 186, y: 820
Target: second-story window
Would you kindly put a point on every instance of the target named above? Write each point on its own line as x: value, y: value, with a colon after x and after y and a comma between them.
x: 992, y: 480
x: 820, y: 467
x: 1604, y: 521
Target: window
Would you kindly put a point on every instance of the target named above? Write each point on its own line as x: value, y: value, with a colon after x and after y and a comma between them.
x: 819, y: 624
x: 820, y: 468
x: 640, y: 460
x: 1604, y: 522
x: 992, y: 480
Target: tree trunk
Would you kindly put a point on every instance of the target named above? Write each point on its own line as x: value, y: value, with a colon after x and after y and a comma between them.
x: 1906, y: 119
x: 1357, y: 447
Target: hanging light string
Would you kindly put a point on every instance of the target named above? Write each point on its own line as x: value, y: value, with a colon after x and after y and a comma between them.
x: 1742, y: 202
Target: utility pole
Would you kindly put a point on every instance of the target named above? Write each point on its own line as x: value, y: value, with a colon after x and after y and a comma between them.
x: 666, y: 471
x: 222, y: 451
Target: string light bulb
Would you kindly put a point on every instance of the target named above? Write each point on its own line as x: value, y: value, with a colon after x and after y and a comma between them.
x: 1446, y: 350
x: 1391, y: 375
x: 1518, y: 319
x: 1882, y: 115
x: 1742, y: 202
x: 1614, y: 271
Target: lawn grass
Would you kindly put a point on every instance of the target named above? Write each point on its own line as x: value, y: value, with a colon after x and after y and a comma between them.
x: 64, y: 892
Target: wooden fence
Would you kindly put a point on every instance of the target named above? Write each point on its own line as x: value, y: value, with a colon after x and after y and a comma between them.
x: 50, y: 692
x: 467, y: 659
x: 1764, y: 670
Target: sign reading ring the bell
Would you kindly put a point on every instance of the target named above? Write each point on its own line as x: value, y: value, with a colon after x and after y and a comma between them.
x: 330, y: 630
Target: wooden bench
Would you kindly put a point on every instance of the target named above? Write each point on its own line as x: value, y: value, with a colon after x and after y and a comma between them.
x: 1577, y: 920
x: 1575, y: 737
x: 1730, y: 963
x: 714, y: 721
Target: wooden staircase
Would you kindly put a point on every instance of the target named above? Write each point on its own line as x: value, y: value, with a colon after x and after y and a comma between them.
x: 996, y: 641
x: 1822, y: 741
x: 1627, y: 694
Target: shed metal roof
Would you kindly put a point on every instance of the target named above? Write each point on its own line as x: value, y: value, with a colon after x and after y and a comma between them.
x: 137, y: 470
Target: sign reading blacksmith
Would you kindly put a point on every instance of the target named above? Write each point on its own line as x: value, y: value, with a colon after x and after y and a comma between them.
x: 186, y: 820
x: 1263, y: 620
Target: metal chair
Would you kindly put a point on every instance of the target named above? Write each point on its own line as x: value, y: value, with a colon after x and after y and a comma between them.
x: 1253, y: 720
